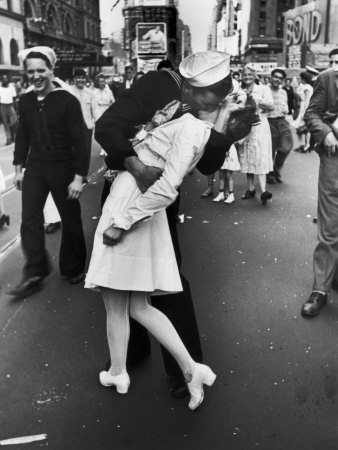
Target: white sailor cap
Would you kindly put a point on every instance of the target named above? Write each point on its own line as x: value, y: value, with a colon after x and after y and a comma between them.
x: 311, y: 70
x: 47, y: 51
x: 205, y: 68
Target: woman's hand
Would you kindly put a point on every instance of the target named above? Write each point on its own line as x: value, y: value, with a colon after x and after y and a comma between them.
x: 227, y: 107
x: 112, y: 235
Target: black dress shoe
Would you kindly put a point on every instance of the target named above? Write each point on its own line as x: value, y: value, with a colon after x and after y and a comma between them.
x: 52, y: 227
x: 27, y: 287
x: 248, y: 194
x: 180, y: 389
x: 314, y: 304
x: 76, y: 279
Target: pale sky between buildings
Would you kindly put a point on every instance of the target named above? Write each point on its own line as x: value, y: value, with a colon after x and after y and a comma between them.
x: 195, y: 13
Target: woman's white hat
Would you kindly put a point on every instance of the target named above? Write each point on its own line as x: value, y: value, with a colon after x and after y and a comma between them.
x: 47, y: 51
x: 205, y: 68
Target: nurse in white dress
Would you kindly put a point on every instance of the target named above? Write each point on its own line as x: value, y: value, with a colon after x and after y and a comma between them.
x: 139, y: 259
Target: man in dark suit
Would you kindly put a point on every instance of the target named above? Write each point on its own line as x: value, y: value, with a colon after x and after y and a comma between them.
x: 319, y: 118
x: 128, y: 79
x: 115, y: 127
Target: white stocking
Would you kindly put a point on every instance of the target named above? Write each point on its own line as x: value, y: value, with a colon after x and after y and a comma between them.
x: 118, y: 329
x: 162, y: 329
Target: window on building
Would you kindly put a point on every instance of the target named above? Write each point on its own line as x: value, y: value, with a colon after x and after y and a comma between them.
x: 29, y: 8
x: 14, y: 50
x: 51, y: 17
x: 280, y: 26
x: 88, y: 30
x: 262, y: 23
x: 69, y: 25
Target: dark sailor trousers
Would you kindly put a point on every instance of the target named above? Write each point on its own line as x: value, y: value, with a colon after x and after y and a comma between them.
x: 40, y: 178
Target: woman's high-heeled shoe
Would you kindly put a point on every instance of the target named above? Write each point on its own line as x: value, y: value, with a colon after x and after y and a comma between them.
x: 202, y: 374
x: 248, y: 194
x: 120, y: 381
x: 4, y: 219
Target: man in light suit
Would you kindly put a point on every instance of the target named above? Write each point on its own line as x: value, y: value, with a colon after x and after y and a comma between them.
x: 320, y: 120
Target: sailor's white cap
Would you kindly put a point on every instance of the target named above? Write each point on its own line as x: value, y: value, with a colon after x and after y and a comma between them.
x: 205, y: 68
x: 47, y: 51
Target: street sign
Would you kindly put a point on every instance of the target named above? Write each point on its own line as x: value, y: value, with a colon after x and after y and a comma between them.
x: 67, y: 58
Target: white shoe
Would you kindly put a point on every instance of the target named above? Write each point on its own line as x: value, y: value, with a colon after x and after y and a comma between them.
x: 120, y: 381
x: 202, y: 375
x: 230, y: 198
x: 220, y: 197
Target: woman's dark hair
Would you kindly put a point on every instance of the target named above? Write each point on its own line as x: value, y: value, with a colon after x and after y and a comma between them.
x: 80, y: 73
x: 165, y: 64
x: 305, y: 76
x: 221, y: 89
x: 38, y: 55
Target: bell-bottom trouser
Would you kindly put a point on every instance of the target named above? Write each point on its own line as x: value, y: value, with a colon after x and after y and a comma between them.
x: 40, y: 178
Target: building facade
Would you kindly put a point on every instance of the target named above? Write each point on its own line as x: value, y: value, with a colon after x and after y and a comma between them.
x: 11, y: 36
x: 263, y: 32
x: 153, y: 32
x: 224, y: 33
x: 70, y: 27
x: 252, y: 31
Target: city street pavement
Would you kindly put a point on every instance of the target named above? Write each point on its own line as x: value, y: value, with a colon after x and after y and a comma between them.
x: 250, y: 269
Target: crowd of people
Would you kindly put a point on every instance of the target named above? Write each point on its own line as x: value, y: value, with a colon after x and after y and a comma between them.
x: 153, y: 130
x: 281, y: 103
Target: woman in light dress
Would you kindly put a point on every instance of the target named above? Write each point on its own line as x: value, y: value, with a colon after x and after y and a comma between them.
x: 226, y: 182
x: 304, y: 90
x: 103, y: 98
x: 142, y: 262
x: 255, y: 151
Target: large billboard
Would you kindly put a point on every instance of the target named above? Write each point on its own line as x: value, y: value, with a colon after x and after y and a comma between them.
x: 310, y: 33
x: 151, y: 38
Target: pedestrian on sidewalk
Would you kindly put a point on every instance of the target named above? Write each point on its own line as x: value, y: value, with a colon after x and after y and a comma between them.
x: 134, y: 258
x: 85, y: 96
x: 304, y: 91
x: 103, y: 98
x: 321, y: 121
x: 51, y: 144
x: 255, y: 152
x: 7, y: 109
x: 281, y: 133
x: 137, y: 106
